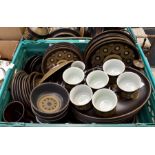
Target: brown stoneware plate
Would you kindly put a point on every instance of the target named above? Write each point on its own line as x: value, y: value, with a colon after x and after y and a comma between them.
x: 55, y: 70
x: 113, y: 46
x: 59, y: 53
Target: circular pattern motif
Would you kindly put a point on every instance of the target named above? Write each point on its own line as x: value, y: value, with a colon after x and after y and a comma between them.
x: 49, y: 103
x: 108, y: 43
x: 58, y: 53
x: 106, y: 47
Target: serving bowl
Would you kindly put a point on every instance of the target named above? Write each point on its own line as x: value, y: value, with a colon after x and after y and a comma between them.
x: 49, y: 99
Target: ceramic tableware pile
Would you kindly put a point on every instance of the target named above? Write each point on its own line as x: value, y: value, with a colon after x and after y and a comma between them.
x: 111, y: 93
x: 98, y: 85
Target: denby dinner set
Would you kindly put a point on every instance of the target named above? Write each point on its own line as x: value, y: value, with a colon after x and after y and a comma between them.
x: 103, y: 84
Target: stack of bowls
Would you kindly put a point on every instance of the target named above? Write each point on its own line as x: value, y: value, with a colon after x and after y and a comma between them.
x: 49, y: 102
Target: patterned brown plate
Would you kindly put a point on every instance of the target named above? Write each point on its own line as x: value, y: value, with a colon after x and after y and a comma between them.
x: 58, y: 55
x: 125, y: 108
x: 126, y: 51
x: 63, y: 44
x: 111, y: 33
x: 104, y: 39
x: 124, y: 34
x: 54, y: 70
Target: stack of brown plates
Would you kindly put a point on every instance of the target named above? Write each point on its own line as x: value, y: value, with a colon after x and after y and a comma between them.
x: 64, y: 32
x: 33, y: 64
x: 125, y: 109
x: 110, y: 44
x: 22, y: 85
x: 59, y: 53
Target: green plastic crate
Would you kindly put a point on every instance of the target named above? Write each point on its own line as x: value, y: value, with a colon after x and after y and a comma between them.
x: 27, y: 48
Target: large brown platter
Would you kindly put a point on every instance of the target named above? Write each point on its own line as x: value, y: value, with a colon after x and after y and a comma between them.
x: 125, y: 109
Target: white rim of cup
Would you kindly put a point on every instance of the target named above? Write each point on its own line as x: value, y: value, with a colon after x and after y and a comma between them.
x: 77, y: 88
x: 78, y: 64
x: 128, y: 75
x: 103, y: 91
x: 109, y: 62
x: 91, y: 74
x: 72, y: 71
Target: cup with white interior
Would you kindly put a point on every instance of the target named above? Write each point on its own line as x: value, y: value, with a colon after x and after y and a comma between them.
x: 113, y: 68
x: 73, y: 76
x: 81, y: 96
x: 97, y: 79
x: 104, y: 102
x: 129, y: 83
x: 78, y: 64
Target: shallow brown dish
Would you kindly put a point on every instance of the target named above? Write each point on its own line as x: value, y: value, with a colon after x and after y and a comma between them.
x: 125, y: 109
